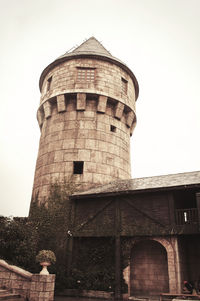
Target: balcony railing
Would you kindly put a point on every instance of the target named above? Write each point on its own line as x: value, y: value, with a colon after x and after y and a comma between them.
x: 186, y: 216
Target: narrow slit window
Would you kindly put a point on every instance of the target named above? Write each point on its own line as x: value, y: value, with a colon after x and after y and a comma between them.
x: 78, y: 167
x: 49, y: 80
x: 124, y: 85
x: 113, y: 128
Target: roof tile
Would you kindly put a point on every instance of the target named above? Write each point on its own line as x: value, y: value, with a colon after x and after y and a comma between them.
x: 156, y: 182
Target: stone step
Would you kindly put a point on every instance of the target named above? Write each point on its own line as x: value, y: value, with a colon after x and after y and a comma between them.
x: 11, y: 297
x: 15, y: 299
x: 7, y: 295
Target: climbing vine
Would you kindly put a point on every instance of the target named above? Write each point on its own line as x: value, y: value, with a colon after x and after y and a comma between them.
x: 93, y: 264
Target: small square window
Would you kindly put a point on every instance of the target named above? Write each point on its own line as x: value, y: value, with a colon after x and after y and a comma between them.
x: 86, y: 74
x: 124, y: 85
x: 78, y: 167
x: 49, y: 80
x: 113, y: 128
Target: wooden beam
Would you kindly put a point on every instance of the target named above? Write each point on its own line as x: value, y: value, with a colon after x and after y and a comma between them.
x: 117, y: 250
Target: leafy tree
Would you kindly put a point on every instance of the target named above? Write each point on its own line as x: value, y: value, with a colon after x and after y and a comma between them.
x: 17, y: 245
x: 46, y: 228
x: 93, y: 260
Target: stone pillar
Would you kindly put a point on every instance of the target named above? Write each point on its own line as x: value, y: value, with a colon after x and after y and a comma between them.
x: 177, y: 280
x: 42, y: 287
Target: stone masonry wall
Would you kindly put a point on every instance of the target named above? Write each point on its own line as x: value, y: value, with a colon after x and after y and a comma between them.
x: 152, y: 260
x: 14, y: 278
x: 149, y: 260
x: 89, y: 122
x: 82, y: 136
x: 34, y: 287
x: 42, y: 287
x: 107, y: 81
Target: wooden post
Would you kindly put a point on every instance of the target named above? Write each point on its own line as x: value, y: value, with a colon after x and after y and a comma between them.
x: 69, y: 254
x: 198, y: 207
x: 117, y: 252
x: 171, y: 209
x: 71, y: 218
x: 117, y: 268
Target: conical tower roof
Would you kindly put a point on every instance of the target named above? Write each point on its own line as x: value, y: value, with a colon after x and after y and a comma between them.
x: 90, y: 48
x: 92, y: 45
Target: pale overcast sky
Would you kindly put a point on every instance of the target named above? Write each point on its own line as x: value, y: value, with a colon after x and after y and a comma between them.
x: 160, y: 42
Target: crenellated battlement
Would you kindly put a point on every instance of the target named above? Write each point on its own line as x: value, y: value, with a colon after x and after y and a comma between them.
x: 102, y: 104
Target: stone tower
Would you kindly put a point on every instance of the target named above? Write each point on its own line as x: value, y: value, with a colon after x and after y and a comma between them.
x: 86, y: 116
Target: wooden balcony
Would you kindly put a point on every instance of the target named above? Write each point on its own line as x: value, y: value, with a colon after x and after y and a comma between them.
x: 186, y: 216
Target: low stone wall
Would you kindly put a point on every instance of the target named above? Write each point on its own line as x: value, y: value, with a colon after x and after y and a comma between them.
x: 42, y: 287
x: 14, y: 278
x: 34, y: 287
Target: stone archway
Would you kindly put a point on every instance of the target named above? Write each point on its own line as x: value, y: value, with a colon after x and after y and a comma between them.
x: 148, y: 268
x: 171, y: 247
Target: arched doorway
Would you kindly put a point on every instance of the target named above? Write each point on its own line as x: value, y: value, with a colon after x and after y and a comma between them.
x: 148, y: 268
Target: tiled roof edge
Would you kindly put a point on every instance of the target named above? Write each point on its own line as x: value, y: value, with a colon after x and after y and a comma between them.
x: 146, y: 183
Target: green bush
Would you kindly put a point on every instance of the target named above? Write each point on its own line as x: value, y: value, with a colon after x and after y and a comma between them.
x: 46, y: 255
